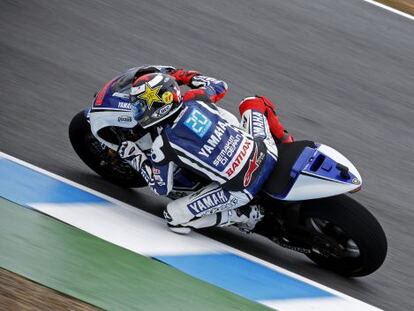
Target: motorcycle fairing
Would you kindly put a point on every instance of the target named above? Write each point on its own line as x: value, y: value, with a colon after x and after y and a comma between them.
x: 314, y: 174
x: 111, y: 106
x: 114, y: 94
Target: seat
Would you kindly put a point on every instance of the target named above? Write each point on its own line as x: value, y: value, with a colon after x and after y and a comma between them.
x: 279, y: 179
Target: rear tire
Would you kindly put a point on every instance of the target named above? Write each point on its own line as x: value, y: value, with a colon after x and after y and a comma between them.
x: 357, y: 225
x: 100, y: 159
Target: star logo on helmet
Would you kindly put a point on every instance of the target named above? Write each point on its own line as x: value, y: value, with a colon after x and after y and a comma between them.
x: 150, y: 95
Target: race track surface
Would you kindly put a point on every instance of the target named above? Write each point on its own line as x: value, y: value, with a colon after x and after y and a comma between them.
x: 341, y: 72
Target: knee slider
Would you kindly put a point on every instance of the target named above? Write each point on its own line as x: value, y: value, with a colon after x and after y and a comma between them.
x: 177, y: 213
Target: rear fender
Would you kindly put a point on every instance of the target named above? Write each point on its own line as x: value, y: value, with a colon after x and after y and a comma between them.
x: 322, y: 177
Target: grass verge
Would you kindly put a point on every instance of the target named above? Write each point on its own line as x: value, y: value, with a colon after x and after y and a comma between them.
x: 406, y: 6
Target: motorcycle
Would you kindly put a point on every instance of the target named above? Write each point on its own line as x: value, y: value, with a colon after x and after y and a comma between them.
x: 306, y: 201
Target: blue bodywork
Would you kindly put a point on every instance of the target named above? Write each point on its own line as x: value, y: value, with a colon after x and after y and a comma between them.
x: 314, y: 163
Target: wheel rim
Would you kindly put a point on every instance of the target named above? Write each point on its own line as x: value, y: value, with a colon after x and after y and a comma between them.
x: 108, y: 160
x: 349, y: 248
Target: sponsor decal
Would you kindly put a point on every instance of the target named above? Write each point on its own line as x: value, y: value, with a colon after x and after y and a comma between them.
x: 258, y: 124
x: 228, y: 151
x: 239, y: 159
x: 121, y: 95
x: 124, y: 105
x: 124, y: 119
x: 253, y: 166
x: 167, y: 97
x: 230, y: 205
x: 198, y: 123
x: 212, y: 203
x: 156, y: 174
x: 150, y: 95
x: 161, y: 111
x: 213, y: 140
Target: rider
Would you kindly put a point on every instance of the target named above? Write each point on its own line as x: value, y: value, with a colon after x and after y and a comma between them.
x: 194, y: 134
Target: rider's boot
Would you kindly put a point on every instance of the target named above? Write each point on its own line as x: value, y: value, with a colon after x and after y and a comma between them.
x: 266, y: 107
x: 245, y: 217
x: 196, y: 223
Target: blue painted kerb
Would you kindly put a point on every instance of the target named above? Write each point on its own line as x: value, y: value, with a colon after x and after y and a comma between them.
x: 243, y: 277
x: 24, y: 185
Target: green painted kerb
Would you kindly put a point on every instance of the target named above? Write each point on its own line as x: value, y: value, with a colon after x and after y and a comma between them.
x: 80, y: 265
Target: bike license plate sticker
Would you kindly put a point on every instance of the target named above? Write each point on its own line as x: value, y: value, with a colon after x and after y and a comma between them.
x: 198, y: 123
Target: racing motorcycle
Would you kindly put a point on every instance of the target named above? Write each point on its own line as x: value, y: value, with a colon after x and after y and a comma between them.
x: 306, y: 201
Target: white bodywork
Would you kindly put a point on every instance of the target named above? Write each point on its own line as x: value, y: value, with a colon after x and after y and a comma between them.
x: 307, y: 187
x: 107, y: 117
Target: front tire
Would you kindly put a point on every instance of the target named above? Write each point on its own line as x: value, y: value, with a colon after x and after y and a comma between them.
x: 99, y: 158
x: 349, y: 224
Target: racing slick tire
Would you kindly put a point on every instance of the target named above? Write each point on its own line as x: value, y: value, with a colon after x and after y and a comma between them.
x: 354, y: 228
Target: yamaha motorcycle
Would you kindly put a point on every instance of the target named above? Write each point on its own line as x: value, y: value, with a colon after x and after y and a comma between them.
x: 307, y: 198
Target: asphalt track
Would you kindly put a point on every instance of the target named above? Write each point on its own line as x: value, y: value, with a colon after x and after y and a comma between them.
x: 342, y: 73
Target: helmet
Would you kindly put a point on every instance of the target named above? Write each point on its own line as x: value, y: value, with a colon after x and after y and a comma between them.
x: 154, y: 97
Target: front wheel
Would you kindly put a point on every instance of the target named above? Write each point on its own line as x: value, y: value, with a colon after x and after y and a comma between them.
x: 343, y: 222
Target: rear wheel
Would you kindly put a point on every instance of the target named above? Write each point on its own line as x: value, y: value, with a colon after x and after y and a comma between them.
x: 100, y: 158
x: 351, y: 241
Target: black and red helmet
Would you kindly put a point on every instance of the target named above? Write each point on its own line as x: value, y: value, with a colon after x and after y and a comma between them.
x: 154, y: 97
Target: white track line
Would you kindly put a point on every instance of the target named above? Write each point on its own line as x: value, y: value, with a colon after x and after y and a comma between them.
x: 385, y: 7
x: 360, y: 304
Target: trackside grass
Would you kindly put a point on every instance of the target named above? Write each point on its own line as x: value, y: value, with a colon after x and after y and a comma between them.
x: 80, y: 265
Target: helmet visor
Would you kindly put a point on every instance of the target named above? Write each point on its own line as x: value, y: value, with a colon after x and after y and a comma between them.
x: 138, y: 107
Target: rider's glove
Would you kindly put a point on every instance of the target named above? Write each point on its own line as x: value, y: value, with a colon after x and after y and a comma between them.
x: 184, y: 77
x: 201, y: 81
x: 130, y: 152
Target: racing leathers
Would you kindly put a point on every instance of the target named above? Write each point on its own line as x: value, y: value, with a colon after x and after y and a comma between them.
x: 236, y: 159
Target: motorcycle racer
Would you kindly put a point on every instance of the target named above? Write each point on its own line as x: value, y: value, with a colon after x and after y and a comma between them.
x: 191, y: 133
x: 140, y: 124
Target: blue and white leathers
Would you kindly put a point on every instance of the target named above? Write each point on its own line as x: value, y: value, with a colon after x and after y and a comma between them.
x: 201, y: 141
